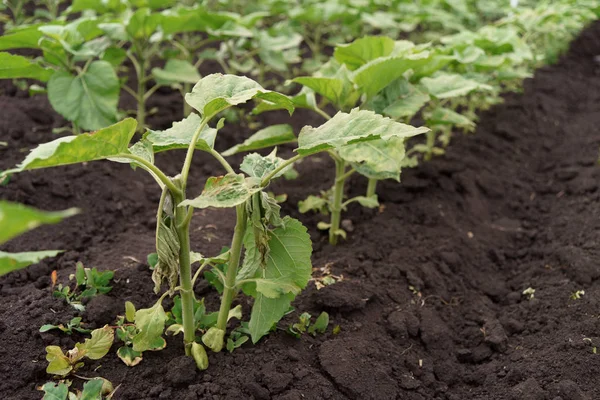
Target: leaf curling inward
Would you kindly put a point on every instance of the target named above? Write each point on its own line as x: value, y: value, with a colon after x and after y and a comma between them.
x: 225, y: 191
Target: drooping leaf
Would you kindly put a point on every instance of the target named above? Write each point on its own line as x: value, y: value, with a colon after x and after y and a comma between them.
x: 288, y: 265
x: 213, y: 339
x: 348, y: 128
x: 99, y: 344
x: 13, y: 66
x: 180, y: 135
x: 129, y: 311
x: 59, y: 363
x: 376, y: 159
x: 224, y: 191
x: 14, y: 261
x: 92, y: 390
x: 55, y: 391
x: 257, y: 166
x: 217, y: 92
x: 104, y: 143
x: 368, y: 202
x: 150, y: 323
x: 271, y: 136
x: 167, y: 248
x: 363, y: 50
x: 446, y: 116
x: 445, y: 86
x: 16, y: 219
x: 89, y: 99
x: 176, y: 71
x: 130, y: 357
x: 200, y: 356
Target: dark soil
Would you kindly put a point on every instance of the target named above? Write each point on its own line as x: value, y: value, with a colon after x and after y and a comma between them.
x: 431, y: 305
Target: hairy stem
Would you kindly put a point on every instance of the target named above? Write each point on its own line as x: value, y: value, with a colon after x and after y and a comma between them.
x: 372, y: 187
x: 185, y: 275
x: 338, y: 196
x: 232, y: 267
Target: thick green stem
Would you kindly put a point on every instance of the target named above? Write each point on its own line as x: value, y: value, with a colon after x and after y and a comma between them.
x: 232, y: 267
x: 338, y: 196
x: 372, y: 187
x: 187, y: 109
x: 430, y: 145
x: 185, y: 275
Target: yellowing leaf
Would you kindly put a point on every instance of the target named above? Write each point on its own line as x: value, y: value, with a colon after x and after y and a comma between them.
x: 99, y: 344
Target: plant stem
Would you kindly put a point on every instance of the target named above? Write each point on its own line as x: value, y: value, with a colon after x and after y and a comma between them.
x: 338, y: 196
x: 430, y: 136
x: 187, y: 109
x: 277, y: 170
x: 141, y: 95
x: 185, y: 275
x: 232, y: 267
x: 372, y: 187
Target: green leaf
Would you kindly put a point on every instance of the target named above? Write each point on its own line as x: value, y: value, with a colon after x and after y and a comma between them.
x: 376, y: 159
x: 200, y: 356
x: 16, y: 219
x: 257, y: 166
x: 336, y: 87
x: 59, y: 363
x: 445, y: 86
x: 320, y: 325
x: 150, y: 323
x: 179, y: 136
x: 92, y: 390
x: 176, y: 71
x: 105, y: 143
x: 357, y: 126
x: 213, y: 339
x: 130, y: 357
x: 271, y: 136
x: 217, y: 92
x: 142, y: 24
x: 288, y: 266
x: 224, y: 191
x: 363, y: 50
x: 446, y: 116
x: 129, y: 311
x: 99, y: 344
x: 312, y: 203
x: 89, y: 99
x: 368, y: 202
x: 14, y: 261
x: 55, y: 391
x: 13, y: 66
x: 377, y: 74
x: 400, y: 99
x: 26, y: 38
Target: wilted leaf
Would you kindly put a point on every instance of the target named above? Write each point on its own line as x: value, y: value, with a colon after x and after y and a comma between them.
x: 217, y: 92
x: 213, y: 339
x: 130, y: 357
x: 179, y: 136
x: 150, y: 323
x: 59, y: 363
x: 271, y: 136
x: 105, y: 143
x: 224, y: 191
x: 200, y: 356
x: 357, y: 126
x: 99, y: 344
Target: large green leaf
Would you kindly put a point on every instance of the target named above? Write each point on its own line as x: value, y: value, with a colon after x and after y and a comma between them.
x: 445, y: 86
x: 176, y: 71
x: 14, y: 261
x: 288, y: 269
x: 150, y: 323
x: 224, y: 191
x: 89, y: 99
x: 271, y: 136
x: 217, y: 92
x: 357, y: 126
x: 12, y: 66
x: 26, y: 38
x: 99, y: 344
x: 376, y: 159
x: 16, y: 219
x: 105, y: 143
x: 142, y: 24
x: 180, y: 135
x: 400, y: 99
x: 377, y: 74
x: 363, y: 50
